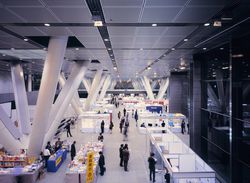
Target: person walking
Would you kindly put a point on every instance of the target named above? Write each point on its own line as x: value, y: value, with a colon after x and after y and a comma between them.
x: 119, y: 115
x: 136, y: 116
x: 126, y: 157
x: 121, y: 124
x: 68, y: 130
x: 102, y: 126
x: 73, y: 150
x: 101, y: 163
x: 125, y: 133
x: 188, y: 128
x: 121, y: 154
x: 133, y: 112
x: 151, y: 166
x: 124, y: 112
x: 163, y: 124
x: 182, y: 126
x: 111, y: 125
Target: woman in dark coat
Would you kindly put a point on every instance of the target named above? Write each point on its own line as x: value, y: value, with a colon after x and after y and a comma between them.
x: 73, y: 150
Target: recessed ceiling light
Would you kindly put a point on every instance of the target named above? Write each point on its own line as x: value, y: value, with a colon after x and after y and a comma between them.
x: 98, y: 23
x: 21, y: 59
x: 172, y: 49
x: 154, y: 73
x: 46, y: 24
x: 77, y: 48
x: 111, y: 55
x: 115, y: 68
x: 7, y: 65
x: 12, y: 49
x: 149, y: 68
x: 206, y: 24
x: 3, y: 55
x: 33, y: 62
x: 141, y: 49
x: 204, y: 48
x: 164, y: 55
x: 154, y: 25
x: 109, y: 49
x: 185, y: 40
x: 221, y: 48
x: 44, y: 48
x: 25, y: 39
x: 106, y: 39
x: 118, y: 76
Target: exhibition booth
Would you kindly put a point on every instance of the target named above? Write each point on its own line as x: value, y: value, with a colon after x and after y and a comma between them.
x: 180, y: 160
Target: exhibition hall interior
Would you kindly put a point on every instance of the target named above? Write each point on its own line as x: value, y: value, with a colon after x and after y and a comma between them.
x: 125, y: 91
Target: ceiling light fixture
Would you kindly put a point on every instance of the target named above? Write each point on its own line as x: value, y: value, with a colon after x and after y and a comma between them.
x: 204, y: 48
x: 186, y: 40
x: 118, y: 76
x: 46, y: 24
x: 25, y: 39
x: 12, y: 49
x: 141, y: 49
x: 221, y: 48
x: 106, y: 39
x: 115, y: 68
x: 77, y: 49
x: 98, y: 23
x: 172, y: 49
x: 3, y: 55
x: 109, y: 49
x: 206, y: 24
x: 148, y: 68
x: 154, y: 25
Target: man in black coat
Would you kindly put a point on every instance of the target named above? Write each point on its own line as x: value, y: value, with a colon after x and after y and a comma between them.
x: 101, y: 163
x: 68, y: 130
x: 125, y: 158
x: 151, y: 165
x: 121, y: 154
x: 73, y: 150
x: 102, y: 126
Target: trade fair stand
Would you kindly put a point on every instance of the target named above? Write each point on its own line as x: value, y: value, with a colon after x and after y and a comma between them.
x: 180, y: 160
x: 77, y: 169
x: 56, y: 160
x: 172, y: 121
x: 91, y: 121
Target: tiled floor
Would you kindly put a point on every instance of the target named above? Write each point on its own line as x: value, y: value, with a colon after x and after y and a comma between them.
x: 139, y: 151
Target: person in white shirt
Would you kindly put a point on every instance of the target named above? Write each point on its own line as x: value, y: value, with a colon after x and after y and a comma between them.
x: 46, y: 154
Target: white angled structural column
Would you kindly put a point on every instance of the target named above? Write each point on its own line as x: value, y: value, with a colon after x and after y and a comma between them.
x: 163, y: 88
x: 86, y: 84
x: 105, y: 87
x: 148, y: 88
x: 21, y: 100
x: 65, y: 97
x: 51, y: 71
x: 29, y: 83
x: 93, y: 90
x: 74, y: 102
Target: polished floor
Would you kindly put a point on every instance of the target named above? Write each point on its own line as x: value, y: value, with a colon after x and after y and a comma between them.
x: 139, y: 151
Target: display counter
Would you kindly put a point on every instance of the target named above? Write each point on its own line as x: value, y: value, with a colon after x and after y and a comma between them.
x: 76, y: 171
x: 56, y: 160
x: 27, y: 174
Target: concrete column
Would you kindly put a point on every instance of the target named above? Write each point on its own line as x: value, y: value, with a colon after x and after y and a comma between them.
x: 148, y: 88
x: 74, y: 102
x: 105, y: 88
x: 65, y: 97
x: 86, y: 84
x: 95, y: 96
x: 113, y: 83
x: 29, y: 83
x: 13, y: 128
x: 163, y: 88
x: 51, y: 71
x: 21, y: 100
x: 93, y: 90
x: 153, y: 85
x: 8, y: 141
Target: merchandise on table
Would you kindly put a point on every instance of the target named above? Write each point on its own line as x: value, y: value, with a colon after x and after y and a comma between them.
x: 78, y: 167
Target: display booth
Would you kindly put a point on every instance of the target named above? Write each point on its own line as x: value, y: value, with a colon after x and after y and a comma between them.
x: 76, y: 171
x: 56, y: 160
x: 19, y: 168
x: 91, y: 122
x: 181, y: 161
